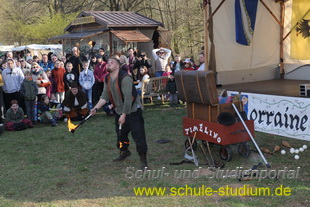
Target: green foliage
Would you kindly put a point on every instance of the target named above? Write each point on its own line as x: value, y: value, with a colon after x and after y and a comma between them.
x: 36, y: 21
x: 47, y: 27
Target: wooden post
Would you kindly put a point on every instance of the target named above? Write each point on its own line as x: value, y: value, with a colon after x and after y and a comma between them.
x: 206, y: 38
x: 272, y: 14
x: 111, y: 43
x: 63, y: 48
x: 281, y: 39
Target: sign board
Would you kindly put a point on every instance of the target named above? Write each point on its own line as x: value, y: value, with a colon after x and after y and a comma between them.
x: 279, y: 115
x: 83, y: 20
x: 217, y: 133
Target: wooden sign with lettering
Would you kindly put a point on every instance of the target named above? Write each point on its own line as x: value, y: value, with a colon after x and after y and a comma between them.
x: 217, y: 133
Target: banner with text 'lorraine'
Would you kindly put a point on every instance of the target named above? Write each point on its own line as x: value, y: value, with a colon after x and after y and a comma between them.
x: 300, y: 36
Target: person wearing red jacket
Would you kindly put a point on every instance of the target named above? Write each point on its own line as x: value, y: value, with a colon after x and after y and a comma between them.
x: 58, y: 75
x: 100, y: 72
x: 189, y: 64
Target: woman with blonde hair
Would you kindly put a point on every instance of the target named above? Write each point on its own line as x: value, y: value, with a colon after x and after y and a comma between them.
x: 124, y: 64
x: 144, y: 76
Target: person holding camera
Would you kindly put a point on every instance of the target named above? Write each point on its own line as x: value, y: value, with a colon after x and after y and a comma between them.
x: 142, y: 60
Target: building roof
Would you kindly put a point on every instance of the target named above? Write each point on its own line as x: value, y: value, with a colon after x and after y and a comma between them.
x: 120, y: 19
x: 77, y: 35
x: 131, y: 36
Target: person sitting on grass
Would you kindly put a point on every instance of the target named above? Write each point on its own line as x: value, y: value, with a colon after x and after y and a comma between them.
x: 49, y: 115
x: 15, y: 116
x: 75, y: 103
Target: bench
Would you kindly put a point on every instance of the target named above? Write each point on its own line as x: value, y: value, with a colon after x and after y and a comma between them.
x: 154, y: 87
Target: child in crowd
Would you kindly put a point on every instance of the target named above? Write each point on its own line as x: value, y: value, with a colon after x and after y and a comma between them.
x: 70, y: 76
x: 53, y: 101
x: 143, y: 77
x: 188, y: 64
x: 87, y: 81
x: 29, y: 90
x: 49, y: 115
x: 58, y: 75
x: 177, y: 65
x: 15, y: 118
x: 51, y: 88
x: 172, y: 90
x: 167, y: 71
x: 93, y: 63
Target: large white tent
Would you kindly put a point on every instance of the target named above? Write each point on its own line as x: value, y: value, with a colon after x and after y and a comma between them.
x: 236, y: 63
x: 38, y: 50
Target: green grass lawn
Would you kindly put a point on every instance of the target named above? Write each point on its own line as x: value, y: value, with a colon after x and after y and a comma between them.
x: 49, y: 166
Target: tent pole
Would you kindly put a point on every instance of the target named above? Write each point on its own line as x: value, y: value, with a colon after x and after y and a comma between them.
x: 111, y: 43
x: 272, y: 14
x: 206, y: 38
x: 281, y: 40
x: 217, y: 8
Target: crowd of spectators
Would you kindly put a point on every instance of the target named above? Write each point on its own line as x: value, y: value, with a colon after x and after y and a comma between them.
x: 52, y: 88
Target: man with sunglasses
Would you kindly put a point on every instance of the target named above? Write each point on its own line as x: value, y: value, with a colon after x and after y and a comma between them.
x: 161, y: 57
x: 24, y: 65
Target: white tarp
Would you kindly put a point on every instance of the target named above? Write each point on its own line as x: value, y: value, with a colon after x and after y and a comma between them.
x: 38, y: 47
x: 38, y: 50
x: 6, y: 48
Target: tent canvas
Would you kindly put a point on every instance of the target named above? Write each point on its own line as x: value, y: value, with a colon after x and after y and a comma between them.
x: 237, y: 63
x: 38, y: 50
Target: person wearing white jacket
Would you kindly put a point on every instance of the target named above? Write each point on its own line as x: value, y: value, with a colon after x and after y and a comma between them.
x: 12, y: 79
x: 87, y: 81
x: 161, y: 57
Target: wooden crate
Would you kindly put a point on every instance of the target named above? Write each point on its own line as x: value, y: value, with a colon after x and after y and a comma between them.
x: 208, y: 112
x: 197, y: 87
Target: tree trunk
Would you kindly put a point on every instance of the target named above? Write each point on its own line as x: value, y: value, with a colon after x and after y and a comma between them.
x: 160, y: 12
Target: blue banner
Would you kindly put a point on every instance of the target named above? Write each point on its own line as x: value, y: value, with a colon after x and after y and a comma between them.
x: 245, y: 17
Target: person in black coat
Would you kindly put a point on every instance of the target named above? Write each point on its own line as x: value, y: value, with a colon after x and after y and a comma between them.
x: 142, y: 60
x: 76, y: 59
x: 172, y: 90
x: 70, y: 76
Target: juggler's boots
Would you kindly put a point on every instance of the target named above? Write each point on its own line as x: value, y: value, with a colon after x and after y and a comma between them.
x: 143, y: 161
x: 122, y: 155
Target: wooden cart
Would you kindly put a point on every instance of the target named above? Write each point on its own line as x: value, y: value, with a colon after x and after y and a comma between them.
x: 205, y: 118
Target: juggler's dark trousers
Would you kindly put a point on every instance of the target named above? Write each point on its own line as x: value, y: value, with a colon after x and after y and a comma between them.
x: 135, y: 124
